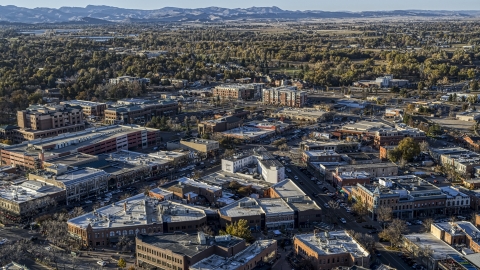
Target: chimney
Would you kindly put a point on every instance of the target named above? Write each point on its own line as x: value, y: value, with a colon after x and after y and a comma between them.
x: 189, y: 197
x: 125, y: 206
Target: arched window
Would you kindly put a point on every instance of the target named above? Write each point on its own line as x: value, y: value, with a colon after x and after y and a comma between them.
x: 112, y: 233
x: 125, y: 232
x: 130, y: 232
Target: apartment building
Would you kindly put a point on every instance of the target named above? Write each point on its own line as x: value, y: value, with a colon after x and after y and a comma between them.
x: 260, y: 253
x: 409, y: 196
x: 41, y: 121
x: 284, y: 96
x: 78, y: 184
x: 93, y: 141
x: 140, y: 214
x: 18, y: 201
x: 139, y: 111
x: 330, y: 250
x: 457, y: 201
x: 233, y: 91
x: 89, y: 108
x: 393, y: 136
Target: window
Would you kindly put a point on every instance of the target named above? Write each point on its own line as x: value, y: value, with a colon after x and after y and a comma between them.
x: 112, y: 233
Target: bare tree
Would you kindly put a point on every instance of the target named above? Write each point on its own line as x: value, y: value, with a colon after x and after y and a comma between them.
x: 333, y: 206
x: 207, y: 230
x: 124, y: 242
x: 424, y: 146
x: 360, y: 207
x: 77, y: 211
x: 125, y: 196
x: 394, y: 232
x: 384, y: 214
x: 427, y: 224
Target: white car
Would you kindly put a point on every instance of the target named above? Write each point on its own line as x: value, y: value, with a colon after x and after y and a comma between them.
x: 102, y: 263
x: 296, y: 177
x: 3, y: 241
x: 88, y: 201
x: 408, y: 223
x: 343, y: 221
x: 326, y: 205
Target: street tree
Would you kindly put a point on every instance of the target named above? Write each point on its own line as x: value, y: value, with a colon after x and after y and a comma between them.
x: 394, y: 232
x: 122, y: 263
x: 427, y: 224
x: 384, y: 214
x: 409, y: 148
x: 360, y: 207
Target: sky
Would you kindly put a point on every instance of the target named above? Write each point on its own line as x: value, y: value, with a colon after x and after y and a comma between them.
x: 329, y: 5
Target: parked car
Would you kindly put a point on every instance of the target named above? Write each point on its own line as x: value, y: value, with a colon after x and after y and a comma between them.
x: 343, y: 220
x: 102, y: 263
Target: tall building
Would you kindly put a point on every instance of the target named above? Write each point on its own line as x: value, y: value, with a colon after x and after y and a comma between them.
x: 238, y: 91
x: 284, y: 96
x: 89, y: 108
x: 41, y: 121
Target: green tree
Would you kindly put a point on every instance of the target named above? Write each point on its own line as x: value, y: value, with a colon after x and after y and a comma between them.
x: 122, y: 263
x: 409, y: 148
x: 394, y: 154
x: 239, y: 229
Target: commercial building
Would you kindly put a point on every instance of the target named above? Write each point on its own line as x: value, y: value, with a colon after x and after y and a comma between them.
x: 337, y: 146
x: 393, y: 136
x: 284, y: 96
x: 219, y: 125
x: 191, y: 191
x: 441, y: 251
x: 201, y: 145
x: 457, y: 201
x: 458, y: 233
x: 249, y: 134
x: 409, y: 196
x: 260, y: 161
x: 368, y: 128
x: 78, y: 184
x: 386, y: 81
x: 321, y: 156
x: 93, y: 141
x: 284, y: 189
x: 468, y: 116
x: 139, y: 111
x: 95, y: 110
x: 374, y: 170
x: 27, y: 199
x: 41, y: 121
x: 461, y: 160
x: 330, y: 250
x: 393, y: 112
x: 383, y: 153
x: 261, y: 252
x: 140, y: 214
x: 351, y: 178
x: 296, y: 114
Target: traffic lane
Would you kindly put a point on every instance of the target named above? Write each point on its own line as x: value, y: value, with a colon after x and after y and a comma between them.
x: 310, y: 187
x: 391, y: 258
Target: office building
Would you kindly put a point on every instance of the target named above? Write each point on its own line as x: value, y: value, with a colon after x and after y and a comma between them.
x: 284, y: 96
x: 90, y: 109
x: 139, y: 111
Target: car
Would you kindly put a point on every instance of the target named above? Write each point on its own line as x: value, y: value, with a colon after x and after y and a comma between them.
x: 102, y: 263
x: 378, y: 253
x: 296, y: 177
x: 33, y: 238
x: 372, y: 231
x: 343, y: 220
x: 418, y: 222
x: 408, y: 223
x: 3, y: 241
x: 88, y: 202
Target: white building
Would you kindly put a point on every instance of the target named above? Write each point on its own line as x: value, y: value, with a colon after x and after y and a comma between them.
x: 260, y: 161
x: 456, y: 200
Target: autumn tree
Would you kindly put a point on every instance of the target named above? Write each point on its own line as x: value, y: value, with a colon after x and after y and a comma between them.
x: 384, y: 214
x: 393, y: 233
x: 122, y: 263
x: 239, y: 229
x: 360, y: 207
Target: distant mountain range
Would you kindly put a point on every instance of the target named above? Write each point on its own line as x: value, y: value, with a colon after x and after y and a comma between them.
x: 92, y: 14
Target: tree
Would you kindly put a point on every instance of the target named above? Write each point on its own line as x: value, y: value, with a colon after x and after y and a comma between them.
x: 207, y: 230
x: 122, y: 263
x: 427, y: 224
x: 394, y: 154
x: 394, y: 232
x: 360, y: 207
x: 409, y: 148
x: 77, y: 211
x: 239, y: 229
x: 384, y: 214
x: 424, y: 146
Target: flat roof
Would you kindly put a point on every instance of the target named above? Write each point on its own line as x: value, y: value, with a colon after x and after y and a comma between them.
x: 439, y: 249
x: 334, y: 242
x: 244, y: 207
x: 250, y: 132
x: 179, y: 243
x: 191, y: 182
x: 27, y: 191
x: 321, y: 153
x: 140, y: 210
x: 76, y: 176
x: 275, y: 206
x: 287, y: 188
x: 216, y: 262
x: 308, y: 112
x: 368, y: 126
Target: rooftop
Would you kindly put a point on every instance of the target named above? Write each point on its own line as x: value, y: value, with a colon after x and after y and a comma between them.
x: 321, y: 153
x: 248, y: 132
x: 82, y: 103
x: 27, y: 191
x: 368, y: 126
x: 439, y: 249
x: 202, y: 141
x: 275, y: 206
x: 244, y: 207
x: 80, y: 175
x: 335, y: 242
x: 138, y: 210
x: 216, y: 262
x: 306, y: 112
x: 452, y: 192
x: 354, y: 175
x: 287, y: 188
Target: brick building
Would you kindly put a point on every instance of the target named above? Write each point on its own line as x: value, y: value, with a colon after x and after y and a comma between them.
x: 409, y: 196
x: 458, y: 233
x: 321, y: 156
x: 350, y: 178
x: 89, y: 108
x: 93, y: 141
x: 194, y: 191
x: 330, y: 250
x: 394, y: 136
